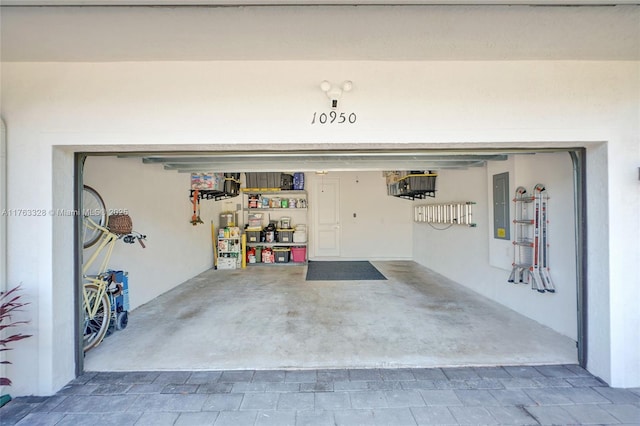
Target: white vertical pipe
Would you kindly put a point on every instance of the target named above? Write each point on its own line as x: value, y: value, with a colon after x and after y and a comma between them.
x: 3, y: 229
x: 3, y: 206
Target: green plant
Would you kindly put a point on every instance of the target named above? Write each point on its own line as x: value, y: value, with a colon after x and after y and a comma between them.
x: 10, y: 303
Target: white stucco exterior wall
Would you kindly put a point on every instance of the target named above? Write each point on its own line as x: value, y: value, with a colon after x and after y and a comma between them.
x: 53, y: 109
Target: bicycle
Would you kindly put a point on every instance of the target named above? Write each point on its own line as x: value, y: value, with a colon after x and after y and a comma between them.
x: 99, y: 289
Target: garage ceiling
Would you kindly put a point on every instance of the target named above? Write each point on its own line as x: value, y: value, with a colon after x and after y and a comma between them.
x: 320, y: 161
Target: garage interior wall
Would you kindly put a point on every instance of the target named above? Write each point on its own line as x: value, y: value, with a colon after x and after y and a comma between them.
x: 129, y: 106
x: 159, y: 206
x: 472, y: 257
x: 373, y: 225
x: 158, y: 202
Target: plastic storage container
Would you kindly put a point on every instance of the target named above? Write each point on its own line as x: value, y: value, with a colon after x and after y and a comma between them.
x: 285, y: 223
x: 298, y: 254
x: 227, y: 262
x: 253, y: 236
x: 261, y: 180
x: 298, y: 181
x: 285, y: 235
x: 255, y: 220
x: 281, y: 254
x: 227, y: 219
x: 286, y: 182
x: 207, y: 181
x: 300, y: 234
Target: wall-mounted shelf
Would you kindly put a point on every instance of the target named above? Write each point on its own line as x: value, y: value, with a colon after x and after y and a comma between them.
x: 279, y: 209
x: 263, y: 244
x: 411, y: 185
x: 215, y: 186
x: 208, y: 194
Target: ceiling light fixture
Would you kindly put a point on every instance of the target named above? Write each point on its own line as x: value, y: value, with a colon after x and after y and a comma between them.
x: 334, y: 93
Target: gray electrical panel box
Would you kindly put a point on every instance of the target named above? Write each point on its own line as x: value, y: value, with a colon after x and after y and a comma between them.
x: 501, y: 224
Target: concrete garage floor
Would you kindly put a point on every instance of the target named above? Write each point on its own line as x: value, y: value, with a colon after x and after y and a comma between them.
x: 269, y: 317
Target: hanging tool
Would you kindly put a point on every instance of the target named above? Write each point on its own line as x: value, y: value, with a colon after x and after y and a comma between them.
x: 195, y: 219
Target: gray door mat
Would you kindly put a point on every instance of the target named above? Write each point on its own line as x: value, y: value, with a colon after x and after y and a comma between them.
x: 342, y: 271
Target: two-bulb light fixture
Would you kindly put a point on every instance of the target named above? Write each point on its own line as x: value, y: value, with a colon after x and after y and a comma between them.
x: 334, y: 93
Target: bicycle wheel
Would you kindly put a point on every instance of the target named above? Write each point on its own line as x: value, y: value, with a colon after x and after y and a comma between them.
x: 94, y: 329
x: 92, y: 207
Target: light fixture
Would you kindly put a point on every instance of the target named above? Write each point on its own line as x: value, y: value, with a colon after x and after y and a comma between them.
x: 335, y: 92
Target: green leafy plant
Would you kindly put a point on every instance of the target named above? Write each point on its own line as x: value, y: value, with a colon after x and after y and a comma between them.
x: 10, y: 303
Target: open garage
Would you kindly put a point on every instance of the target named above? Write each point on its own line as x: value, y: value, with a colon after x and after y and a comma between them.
x: 434, y: 305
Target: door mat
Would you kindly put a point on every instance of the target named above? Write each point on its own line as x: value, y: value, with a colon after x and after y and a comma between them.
x: 342, y: 271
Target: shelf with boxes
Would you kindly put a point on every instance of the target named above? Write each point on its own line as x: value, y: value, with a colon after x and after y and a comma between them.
x: 229, y: 248
x: 266, y: 254
x: 275, y: 226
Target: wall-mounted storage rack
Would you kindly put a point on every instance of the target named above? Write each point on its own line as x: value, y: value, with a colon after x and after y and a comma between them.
x: 411, y: 185
x: 209, y: 194
x: 215, y: 186
x: 446, y: 213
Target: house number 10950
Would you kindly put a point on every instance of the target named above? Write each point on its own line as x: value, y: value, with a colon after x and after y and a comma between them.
x: 333, y: 117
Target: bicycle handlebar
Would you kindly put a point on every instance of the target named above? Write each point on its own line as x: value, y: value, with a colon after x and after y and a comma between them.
x: 131, y: 238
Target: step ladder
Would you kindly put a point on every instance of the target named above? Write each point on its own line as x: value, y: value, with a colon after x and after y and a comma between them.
x: 530, y: 245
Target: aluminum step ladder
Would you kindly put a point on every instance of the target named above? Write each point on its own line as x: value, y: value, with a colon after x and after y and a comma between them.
x: 530, y: 245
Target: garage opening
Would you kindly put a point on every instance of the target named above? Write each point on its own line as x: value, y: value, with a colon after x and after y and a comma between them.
x: 446, y: 299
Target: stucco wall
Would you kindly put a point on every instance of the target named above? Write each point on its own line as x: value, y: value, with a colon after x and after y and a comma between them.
x: 61, y: 107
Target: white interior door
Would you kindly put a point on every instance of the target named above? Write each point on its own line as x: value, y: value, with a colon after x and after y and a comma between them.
x: 326, y: 210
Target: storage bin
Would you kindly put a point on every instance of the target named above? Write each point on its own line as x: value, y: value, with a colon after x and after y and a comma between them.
x: 281, y: 254
x: 231, y: 186
x: 227, y: 263
x: 227, y: 219
x: 286, y: 182
x: 253, y: 236
x: 285, y: 235
x: 300, y: 236
x: 298, y: 254
x: 261, y: 180
x: 255, y: 220
x: 418, y: 182
x: 207, y: 181
x: 285, y: 223
x: 298, y: 181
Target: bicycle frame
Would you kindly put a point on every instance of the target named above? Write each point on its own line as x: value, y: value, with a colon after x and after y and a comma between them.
x: 107, y: 240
